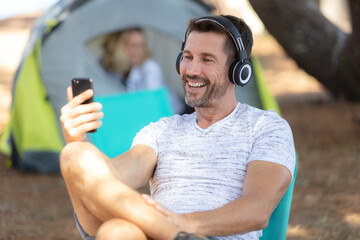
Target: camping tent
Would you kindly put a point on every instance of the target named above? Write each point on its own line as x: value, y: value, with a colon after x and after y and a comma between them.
x: 65, y: 43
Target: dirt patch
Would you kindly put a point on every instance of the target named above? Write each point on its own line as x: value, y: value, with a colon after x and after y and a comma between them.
x: 326, y: 194
x: 34, y: 206
x: 327, y: 137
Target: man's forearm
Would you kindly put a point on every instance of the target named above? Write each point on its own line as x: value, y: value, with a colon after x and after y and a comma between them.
x: 264, y: 186
x: 242, y: 215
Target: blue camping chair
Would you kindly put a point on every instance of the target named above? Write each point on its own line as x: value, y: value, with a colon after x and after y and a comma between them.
x: 278, y: 223
x: 125, y: 114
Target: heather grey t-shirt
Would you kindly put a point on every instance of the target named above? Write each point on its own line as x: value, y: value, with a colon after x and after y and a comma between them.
x: 203, y: 169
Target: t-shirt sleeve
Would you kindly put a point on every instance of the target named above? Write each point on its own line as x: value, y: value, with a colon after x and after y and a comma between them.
x: 146, y: 136
x: 273, y: 141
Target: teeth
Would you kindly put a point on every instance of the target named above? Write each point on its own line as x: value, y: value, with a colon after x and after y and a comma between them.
x: 192, y: 84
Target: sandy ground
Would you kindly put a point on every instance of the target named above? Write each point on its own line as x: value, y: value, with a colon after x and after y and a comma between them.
x: 327, y: 137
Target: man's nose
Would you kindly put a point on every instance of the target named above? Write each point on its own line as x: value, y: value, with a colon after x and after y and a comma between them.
x: 193, y: 68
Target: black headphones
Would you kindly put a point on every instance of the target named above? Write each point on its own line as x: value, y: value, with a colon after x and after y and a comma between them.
x: 240, y: 71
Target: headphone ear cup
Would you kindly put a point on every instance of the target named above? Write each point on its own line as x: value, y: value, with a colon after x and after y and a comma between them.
x: 240, y: 73
x: 178, y: 61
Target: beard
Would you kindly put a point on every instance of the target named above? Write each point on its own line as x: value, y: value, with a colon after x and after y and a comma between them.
x: 213, y: 92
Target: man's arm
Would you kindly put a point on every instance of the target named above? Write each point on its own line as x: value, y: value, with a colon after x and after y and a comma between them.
x: 134, y: 167
x: 264, y: 186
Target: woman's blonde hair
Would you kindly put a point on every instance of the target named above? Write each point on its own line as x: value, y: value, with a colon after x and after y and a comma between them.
x: 114, y: 58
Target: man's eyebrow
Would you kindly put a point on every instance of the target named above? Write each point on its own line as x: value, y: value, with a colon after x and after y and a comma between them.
x: 209, y: 55
x: 203, y: 54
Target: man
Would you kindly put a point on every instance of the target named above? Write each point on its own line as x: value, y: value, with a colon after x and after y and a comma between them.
x: 217, y: 172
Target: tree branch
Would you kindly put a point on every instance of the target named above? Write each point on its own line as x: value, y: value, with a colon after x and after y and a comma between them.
x: 317, y: 45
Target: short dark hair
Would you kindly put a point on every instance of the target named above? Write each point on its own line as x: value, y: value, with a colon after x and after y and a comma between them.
x: 229, y: 47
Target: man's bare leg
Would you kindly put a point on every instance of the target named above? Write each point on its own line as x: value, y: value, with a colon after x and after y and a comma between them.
x: 120, y: 229
x: 98, y: 196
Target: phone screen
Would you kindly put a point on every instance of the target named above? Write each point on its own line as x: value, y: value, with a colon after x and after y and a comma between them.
x: 80, y: 85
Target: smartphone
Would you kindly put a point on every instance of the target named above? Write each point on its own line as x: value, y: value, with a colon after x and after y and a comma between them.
x: 80, y: 85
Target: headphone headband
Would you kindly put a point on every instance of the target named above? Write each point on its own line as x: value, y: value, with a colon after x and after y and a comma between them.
x: 240, y: 71
x: 234, y: 33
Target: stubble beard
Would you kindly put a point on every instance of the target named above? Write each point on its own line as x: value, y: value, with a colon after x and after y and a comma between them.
x: 212, y: 93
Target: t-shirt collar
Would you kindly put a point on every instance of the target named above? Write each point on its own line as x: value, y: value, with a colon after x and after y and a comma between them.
x: 220, y: 122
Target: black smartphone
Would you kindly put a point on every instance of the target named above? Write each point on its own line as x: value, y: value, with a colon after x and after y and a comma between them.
x: 80, y: 85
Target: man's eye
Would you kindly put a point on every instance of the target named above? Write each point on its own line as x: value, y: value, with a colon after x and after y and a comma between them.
x: 187, y: 57
x: 207, y: 59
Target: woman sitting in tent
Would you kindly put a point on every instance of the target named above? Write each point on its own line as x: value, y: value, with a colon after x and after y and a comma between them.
x: 127, y: 59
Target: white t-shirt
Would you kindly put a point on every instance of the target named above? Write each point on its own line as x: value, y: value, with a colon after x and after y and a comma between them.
x: 203, y: 169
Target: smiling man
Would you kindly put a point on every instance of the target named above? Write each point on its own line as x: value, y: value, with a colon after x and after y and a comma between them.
x: 218, y: 172
x: 203, y: 70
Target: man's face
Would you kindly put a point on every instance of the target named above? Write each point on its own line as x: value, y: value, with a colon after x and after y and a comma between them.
x: 203, y: 69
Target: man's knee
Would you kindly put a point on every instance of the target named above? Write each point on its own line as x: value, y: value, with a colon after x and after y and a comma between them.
x: 120, y: 229
x: 73, y: 155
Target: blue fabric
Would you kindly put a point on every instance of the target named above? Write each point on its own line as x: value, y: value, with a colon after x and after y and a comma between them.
x: 126, y: 114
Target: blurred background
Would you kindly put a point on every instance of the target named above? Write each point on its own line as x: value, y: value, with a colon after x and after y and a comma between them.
x: 310, y: 57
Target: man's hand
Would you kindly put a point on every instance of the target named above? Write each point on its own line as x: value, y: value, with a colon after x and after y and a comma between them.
x: 77, y: 119
x: 177, y: 219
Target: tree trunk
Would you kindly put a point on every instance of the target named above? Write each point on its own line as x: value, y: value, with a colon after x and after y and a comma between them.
x: 317, y: 46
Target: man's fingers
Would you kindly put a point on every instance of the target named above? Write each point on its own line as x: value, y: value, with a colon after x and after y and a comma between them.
x: 84, y: 128
x: 69, y: 93
x: 82, y: 119
x: 82, y: 97
x: 73, y: 112
x: 78, y: 100
x: 85, y: 108
x: 150, y: 201
x: 79, y: 120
